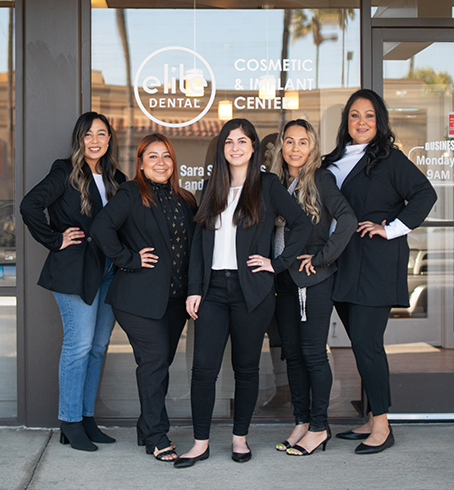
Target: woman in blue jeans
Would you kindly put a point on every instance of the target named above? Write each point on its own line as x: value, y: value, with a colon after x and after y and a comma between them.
x: 76, y: 270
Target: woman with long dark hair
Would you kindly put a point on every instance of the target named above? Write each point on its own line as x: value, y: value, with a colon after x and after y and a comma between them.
x: 76, y: 270
x: 231, y: 279
x: 390, y: 197
x: 146, y: 230
x: 303, y: 302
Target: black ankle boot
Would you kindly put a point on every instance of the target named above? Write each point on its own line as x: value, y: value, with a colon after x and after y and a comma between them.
x: 94, y: 433
x: 74, y: 433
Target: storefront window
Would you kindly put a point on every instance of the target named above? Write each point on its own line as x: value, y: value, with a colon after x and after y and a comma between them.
x: 183, y: 73
x: 8, y: 395
x: 419, y: 88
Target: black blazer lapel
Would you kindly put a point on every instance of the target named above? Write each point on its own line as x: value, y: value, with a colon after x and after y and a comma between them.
x: 160, y: 218
x: 96, y: 196
x: 359, y: 167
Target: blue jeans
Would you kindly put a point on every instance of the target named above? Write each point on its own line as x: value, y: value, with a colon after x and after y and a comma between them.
x: 86, y: 333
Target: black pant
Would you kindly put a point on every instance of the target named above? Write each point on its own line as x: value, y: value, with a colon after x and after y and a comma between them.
x: 154, y: 343
x: 304, y: 348
x: 223, y: 313
x: 366, y: 325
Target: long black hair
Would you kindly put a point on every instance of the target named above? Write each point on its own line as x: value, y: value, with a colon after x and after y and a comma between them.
x: 215, y: 197
x: 383, y: 142
x: 81, y: 175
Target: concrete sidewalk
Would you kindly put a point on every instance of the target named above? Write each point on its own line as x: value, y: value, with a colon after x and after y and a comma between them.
x: 422, y: 459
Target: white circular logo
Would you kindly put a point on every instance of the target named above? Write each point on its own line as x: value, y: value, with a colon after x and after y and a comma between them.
x: 164, y: 85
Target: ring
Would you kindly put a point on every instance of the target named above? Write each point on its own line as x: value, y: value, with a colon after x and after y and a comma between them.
x: 261, y: 263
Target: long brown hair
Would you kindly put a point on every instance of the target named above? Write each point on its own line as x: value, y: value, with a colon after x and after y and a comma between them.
x: 306, y: 190
x: 145, y: 192
x: 81, y: 175
x: 216, y: 194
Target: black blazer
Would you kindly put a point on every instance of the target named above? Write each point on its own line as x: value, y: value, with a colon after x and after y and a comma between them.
x: 325, y: 248
x: 77, y: 269
x: 255, y: 240
x: 373, y: 271
x: 123, y: 228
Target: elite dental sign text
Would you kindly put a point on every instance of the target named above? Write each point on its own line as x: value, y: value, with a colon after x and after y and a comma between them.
x: 156, y: 76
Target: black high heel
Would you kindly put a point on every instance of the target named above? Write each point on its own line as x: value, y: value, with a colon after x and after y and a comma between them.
x: 304, y: 452
x: 94, y: 433
x: 74, y: 433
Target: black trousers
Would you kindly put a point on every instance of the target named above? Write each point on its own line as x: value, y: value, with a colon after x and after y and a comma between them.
x: 304, y: 348
x: 154, y: 343
x: 223, y: 313
x: 365, y: 326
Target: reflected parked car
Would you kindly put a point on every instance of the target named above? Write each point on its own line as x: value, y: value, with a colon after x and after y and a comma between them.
x: 430, y: 270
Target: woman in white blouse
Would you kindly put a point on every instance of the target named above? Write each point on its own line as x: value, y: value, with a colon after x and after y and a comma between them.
x: 231, y: 279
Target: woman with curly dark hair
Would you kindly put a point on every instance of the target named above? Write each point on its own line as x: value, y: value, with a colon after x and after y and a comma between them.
x: 390, y: 197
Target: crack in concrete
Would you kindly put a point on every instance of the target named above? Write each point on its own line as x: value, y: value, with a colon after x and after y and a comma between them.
x: 38, y: 460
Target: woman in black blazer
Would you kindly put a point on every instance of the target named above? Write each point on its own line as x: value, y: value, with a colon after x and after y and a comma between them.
x: 146, y: 230
x: 303, y: 303
x: 76, y: 270
x: 390, y: 197
x: 231, y: 279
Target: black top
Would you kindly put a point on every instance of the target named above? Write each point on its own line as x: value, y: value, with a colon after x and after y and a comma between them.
x: 276, y: 201
x: 77, y: 269
x: 373, y: 271
x: 177, y: 225
x: 123, y: 228
x: 325, y: 248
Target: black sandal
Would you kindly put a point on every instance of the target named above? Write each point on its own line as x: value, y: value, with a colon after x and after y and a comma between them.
x: 283, y: 446
x: 166, y: 452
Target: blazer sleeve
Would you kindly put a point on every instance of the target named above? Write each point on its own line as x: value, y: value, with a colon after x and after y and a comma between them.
x: 300, y: 225
x: 105, y: 228
x: 339, y: 208
x: 195, y: 273
x: 38, y: 199
x: 414, y: 187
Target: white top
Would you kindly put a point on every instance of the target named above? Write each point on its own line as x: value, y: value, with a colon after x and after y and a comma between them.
x: 353, y: 154
x: 224, y: 253
x: 101, y: 187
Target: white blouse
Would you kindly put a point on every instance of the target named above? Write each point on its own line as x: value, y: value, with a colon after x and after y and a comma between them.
x: 224, y: 253
x: 101, y: 187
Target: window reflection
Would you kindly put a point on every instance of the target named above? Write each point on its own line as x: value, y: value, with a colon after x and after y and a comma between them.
x: 271, y: 66
x: 412, y: 9
x: 8, y: 355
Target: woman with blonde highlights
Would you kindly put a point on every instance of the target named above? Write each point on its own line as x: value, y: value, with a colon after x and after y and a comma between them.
x: 146, y: 230
x: 76, y: 270
x: 303, y: 303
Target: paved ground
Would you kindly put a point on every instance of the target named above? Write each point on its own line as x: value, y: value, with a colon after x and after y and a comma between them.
x: 422, y: 459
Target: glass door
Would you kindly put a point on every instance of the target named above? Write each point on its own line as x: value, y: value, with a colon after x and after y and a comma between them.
x: 413, y: 72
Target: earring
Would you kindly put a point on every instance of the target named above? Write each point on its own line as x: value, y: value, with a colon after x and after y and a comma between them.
x: 141, y: 168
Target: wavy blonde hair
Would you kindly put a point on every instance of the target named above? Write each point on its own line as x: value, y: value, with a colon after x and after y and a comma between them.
x: 306, y: 191
x: 81, y: 175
